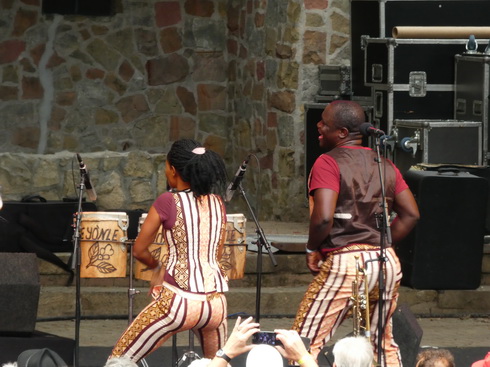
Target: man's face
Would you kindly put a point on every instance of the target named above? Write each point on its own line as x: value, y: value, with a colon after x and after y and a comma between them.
x: 328, y: 138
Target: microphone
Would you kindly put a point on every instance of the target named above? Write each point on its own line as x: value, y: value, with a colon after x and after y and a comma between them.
x: 367, y: 129
x: 236, y: 181
x: 86, y: 181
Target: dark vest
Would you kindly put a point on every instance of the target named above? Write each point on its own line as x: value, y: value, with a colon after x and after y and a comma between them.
x: 358, y: 204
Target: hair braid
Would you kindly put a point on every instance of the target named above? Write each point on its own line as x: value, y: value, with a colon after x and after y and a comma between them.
x: 205, y: 172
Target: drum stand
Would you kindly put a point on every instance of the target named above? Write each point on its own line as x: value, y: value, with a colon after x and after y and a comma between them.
x: 132, y: 292
x: 189, y: 356
x: 76, y: 261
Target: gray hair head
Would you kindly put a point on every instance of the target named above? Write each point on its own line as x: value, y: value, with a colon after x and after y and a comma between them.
x: 355, y: 351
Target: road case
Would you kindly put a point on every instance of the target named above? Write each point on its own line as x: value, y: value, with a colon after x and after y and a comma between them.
x: 472, y: 92
x: 411, y: 78
x: 376, y: 18
x: 445, y: 249
x: 334, y: 80
x: 437, y: 142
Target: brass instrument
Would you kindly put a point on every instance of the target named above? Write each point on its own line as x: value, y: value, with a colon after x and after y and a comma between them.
x: 360, y: 308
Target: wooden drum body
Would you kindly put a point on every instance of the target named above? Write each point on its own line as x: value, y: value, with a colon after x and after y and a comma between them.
x: 158, y: 249
x: 103, y: 237
x: 235, y: 250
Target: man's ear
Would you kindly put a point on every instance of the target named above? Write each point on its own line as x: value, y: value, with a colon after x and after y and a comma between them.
x: 343, y: 133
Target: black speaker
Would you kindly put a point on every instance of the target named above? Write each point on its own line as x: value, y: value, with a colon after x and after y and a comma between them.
x: 483, y: 172
x: 19, y: 292
x: 445, y: 249
x: 407, y: 334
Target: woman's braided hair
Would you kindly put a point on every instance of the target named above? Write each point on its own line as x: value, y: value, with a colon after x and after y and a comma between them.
x: 202, y: 168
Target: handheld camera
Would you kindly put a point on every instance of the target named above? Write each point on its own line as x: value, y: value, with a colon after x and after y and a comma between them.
x: 265, y: 337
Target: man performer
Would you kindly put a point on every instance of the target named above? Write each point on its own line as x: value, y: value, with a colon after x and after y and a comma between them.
x: 344, y: 231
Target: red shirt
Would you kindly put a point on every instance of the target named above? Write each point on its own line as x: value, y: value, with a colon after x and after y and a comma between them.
x: 326, y: 174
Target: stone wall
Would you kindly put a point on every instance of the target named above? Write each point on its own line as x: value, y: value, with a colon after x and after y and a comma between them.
x: 233, y: 74
x: 127, y: 180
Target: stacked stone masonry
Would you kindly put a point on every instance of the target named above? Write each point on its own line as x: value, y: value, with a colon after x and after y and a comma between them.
x: 233, y: 74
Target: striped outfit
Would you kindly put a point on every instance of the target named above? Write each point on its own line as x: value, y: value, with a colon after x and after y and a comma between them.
x: 191, y: 296
x: 353, y: 173
x: 327, y: 301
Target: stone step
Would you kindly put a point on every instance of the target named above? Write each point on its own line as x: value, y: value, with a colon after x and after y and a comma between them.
x: 114, y: 301
x: 290, y: 271
x: 281, y: 290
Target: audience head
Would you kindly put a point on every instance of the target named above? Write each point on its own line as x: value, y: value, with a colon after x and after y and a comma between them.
x: 44, y: 357
x: 203, y: 362
x: 355, y: 351
x: 120, y: 362
x: 434, y: 357
x: 264, y: 355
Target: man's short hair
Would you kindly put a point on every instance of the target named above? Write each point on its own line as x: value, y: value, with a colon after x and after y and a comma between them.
x: 353, y: 351
x: 348, y: 114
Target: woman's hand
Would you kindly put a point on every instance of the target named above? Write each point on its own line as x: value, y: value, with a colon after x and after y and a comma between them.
x: 156, y: 277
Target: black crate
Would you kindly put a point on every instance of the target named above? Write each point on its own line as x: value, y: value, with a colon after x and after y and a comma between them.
x: 391, y: 105
x: 376, y: 18
x: 472, y: 90
x: 437, y: 142
x: 445, y: 249
x: 390, y: 60
x: 411, y: 78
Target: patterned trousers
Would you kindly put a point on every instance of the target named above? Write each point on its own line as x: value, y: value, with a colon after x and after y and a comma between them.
x: 328, y: 298
x: 173, y: 312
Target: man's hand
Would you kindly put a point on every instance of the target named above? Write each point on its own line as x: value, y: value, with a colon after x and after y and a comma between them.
x: 312, y: 261
x: 237, y: 341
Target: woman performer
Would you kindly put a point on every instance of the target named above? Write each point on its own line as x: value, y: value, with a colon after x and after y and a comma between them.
x: 188, y: 293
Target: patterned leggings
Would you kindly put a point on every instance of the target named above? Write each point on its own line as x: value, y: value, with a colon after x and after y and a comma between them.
x: 171, y: 313
x: 327, y: 300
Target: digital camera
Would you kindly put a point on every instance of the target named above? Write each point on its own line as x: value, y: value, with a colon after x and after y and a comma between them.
x: 265, y: 337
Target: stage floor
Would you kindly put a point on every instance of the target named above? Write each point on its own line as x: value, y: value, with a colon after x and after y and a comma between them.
x: 467, y: 338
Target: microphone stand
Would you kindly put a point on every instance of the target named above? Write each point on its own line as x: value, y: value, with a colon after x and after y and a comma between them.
x: 76, y: 261
x: 385, y: 237
x: 262, y: 241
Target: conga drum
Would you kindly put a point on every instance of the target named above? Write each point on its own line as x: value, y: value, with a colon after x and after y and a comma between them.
x: 235, y: 250
x: 103, y: 237
x: 158, y: 249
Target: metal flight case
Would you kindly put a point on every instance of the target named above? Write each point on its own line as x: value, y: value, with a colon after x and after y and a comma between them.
x: 410, y: 78
x: 437, y: 142
x: 376, y: 18
x: 472, y: 91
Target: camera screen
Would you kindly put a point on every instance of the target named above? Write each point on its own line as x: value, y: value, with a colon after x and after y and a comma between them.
x: 265, y: 337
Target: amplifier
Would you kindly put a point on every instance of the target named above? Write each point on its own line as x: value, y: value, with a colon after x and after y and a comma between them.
x: 445, y: 249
